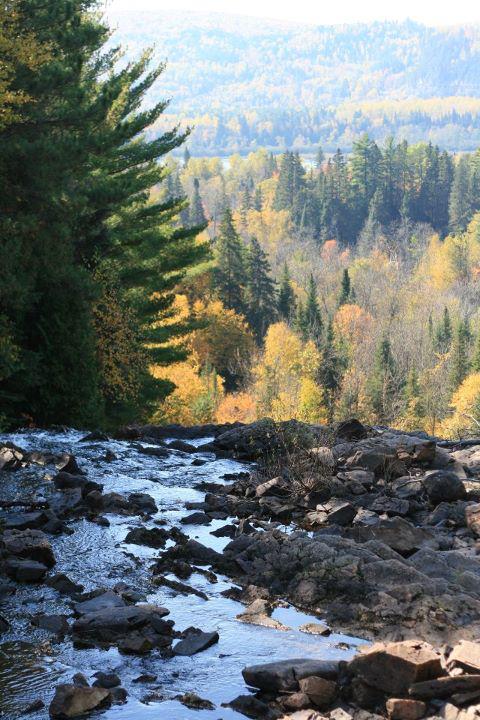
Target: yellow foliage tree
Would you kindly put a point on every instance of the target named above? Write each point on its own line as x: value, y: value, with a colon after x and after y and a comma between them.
x: 237, y: 407
x: 465, y: 406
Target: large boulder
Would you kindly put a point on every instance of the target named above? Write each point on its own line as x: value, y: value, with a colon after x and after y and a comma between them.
x: 393, y: 667
x: 71, y: 701
x: 285, y: 675
x: 29, y: 544
x: 444, y: 486
x: 265, y: 437
x: 134, y: 627
x: 195, y: 641
x: 398, y: 534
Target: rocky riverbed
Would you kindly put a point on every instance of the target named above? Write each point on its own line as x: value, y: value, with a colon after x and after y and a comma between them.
x: 141, y: 576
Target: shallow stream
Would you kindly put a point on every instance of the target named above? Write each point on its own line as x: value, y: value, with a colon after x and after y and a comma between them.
x: 32, y: 661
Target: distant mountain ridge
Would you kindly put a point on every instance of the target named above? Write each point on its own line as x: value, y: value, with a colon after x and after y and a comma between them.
x: 246, y: 82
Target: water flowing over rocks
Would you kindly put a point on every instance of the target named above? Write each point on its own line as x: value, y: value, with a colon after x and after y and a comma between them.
x: 371, y: 532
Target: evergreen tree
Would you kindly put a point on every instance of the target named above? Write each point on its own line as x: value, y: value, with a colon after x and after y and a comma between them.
x: 476, y: 355
x: 444, y: 334
x: 330, y: 372
x: 230, y: 273
x: 186, y: 156
x: 79, y: 171
x: 346, y: 289
x: 260, y: 294
x: 196, y: 212
x: 286, y: 296
x: 381, y: 385
x: 313, y: 324
x: 461, y: 201
x: 258, y: 199
x: 459, y: 365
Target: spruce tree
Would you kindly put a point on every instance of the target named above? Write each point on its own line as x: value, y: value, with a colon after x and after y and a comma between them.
x: 444, y: 333
x: 330, y: 372
x: 196, y: 212
x: 286, y: 296
x: 346, y: 289
x: 381, y: 386
x: 459, y: 365
x: 230, y: 271
x: 260, y: 293
x: 313, y: 324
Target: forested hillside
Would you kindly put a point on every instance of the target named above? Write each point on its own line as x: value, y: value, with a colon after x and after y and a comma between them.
x: 251, y: 83
x: 350, y: 288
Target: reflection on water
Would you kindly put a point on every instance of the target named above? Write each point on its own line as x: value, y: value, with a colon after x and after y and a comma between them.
x: 32, y: 661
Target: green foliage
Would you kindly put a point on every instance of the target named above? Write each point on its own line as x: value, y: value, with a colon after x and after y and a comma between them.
x: 260, y: 292
x: 230, y: 270
x: 286, y: 296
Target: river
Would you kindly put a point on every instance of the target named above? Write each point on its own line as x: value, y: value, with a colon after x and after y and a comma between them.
x: 32, y: 661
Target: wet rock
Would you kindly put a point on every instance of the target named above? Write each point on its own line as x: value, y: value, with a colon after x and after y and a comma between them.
x: 25, y: 521
x: 195, y: 641
x: 62, y: 584
x: 315, y: 629
x: 145, y: 678
x: 251, y: 707
x: 128, y: 627
x: 71, y: 701
x: 178, y: 587
x: 29, y: 544
x: 143, y: 503
x: 66, y: 462
x: 321, y: 692
x: 25, y: 571
x: 158, y: 452
x: 249, y: 442
x: 154, y: 537
x: 11, y: 456
x: 3, y: 624
x: 80, y: 680
x: 95, y: 436
x: 34, y: 707
x: 57, y: 624
x: 118, y: 695
x: 103, y: 601
x: 407, y: 487
x: 135, y: 644
x: 350, y: 430
x: 393, y: 667
x: 339, y: 512
x: 402, y: 709
x: 106, y: 680
x: 225, y: 531
x: 194, y: 702
x: 296, y: 701
x: 284, y: 675
x: 196, y: 518
x: 182, y: 446
x: 67, y: 481
x: 258, y: 613
x: 443, y: 486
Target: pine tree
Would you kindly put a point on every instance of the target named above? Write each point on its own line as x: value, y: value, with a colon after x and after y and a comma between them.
x: 313, y: 324
x: 260, y: 293
x: 286, y: 296
x: 229, y: 274
x: 459, y: 365
x: 476, y: 355
x: 258, y: 199
x: 186, y: 156
x: 444, y: 334
x: 461, y: 201
x: 381, y: 385
x: 346, y: 289
x: 196, y: 212
x: 330, y: 372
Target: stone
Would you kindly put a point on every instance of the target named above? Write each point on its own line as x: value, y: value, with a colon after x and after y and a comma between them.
x: 196, y: 518
x: 62, y: 584
x: 25, y: 571
x: 393, y: 667
x: 154, y: 537
x: 118, y: 695
x: 80, y: 680
x: 285, y: 675
x: 444, y: 687
x: 252, y: 707
x: 53, y: 623
x: 275, y: 487
x: 106, y: 680
x: 402, y: 709
x: 258, y: 613
x: 465, y: 655
x: 25, y: 521
x: 67, y: 481
x: 118, y: 624
x: 158, y: 452
x: 443, y: 486
x: 182, y: 446
x: 398, y: 534
x: 195, y: 641
x: 194, y: 702
x: 315, y: 629
x: 472, y: 518
x: 338, y: 512
x: 135, y: 644
x: 29, y: 544
x: 321, y: 692
x: 71, y: 701
x: 104, y: 601
x: 143, y: 503
x: 391, y: 506
x: 296, y: 701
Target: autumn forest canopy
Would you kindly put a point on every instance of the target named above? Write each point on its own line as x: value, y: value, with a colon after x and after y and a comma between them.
x: 142, y: 282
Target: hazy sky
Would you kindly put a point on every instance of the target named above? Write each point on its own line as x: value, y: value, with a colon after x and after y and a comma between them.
x: 432, y: 12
